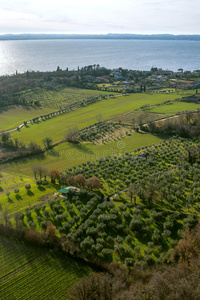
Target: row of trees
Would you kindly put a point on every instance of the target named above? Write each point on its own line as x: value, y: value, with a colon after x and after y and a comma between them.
x: 187, y: 126
x: 79, y: 180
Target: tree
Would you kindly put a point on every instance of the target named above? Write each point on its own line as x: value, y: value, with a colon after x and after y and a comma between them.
x: 152, y: 192
x: 99, y: 118
x: 5, y: 136
x: 133, y: 191
x: 16, y: 191
x: 8, y: 194
x: 40, y: 171
x: 93, y: 183
x: 119, y: 119
x: 6, y: 216
x: 47, y: 142
x: 18, y: 218
x: 54, y: 174
x: 79, y: 180
x: 70, y: 135
x: 27, y: 186
x: 34, y: 147
x: 35, y: 171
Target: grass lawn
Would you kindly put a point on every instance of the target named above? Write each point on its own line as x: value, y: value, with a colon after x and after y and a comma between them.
x: 82, y: 117
x: 67, y: 155
x: 174, y: 107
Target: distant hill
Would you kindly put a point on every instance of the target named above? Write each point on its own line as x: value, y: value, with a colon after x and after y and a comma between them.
x: 99, y: 36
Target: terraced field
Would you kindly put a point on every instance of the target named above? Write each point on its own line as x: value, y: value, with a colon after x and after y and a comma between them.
x: 28, y: 272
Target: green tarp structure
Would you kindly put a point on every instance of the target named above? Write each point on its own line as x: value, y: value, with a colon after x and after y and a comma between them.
x: 64, y: 191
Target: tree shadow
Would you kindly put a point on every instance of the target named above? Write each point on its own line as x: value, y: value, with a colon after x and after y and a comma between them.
x: 30, y: 193
x: 41, y: 188
x: 10, y: 200
x: 81, y: 147
x: 18, y: 197
x: 24, y: 160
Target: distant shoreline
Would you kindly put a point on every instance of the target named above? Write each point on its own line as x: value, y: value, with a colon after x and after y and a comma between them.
x: 109, y: 36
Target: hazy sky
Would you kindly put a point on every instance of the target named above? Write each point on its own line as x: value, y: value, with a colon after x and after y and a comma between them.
x: 104, y: 16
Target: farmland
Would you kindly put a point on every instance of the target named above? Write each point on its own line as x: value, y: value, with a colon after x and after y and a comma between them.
x: 13, y: 116
x: 49, y: 101
x: 14, y: 202
x: 139, y: 191
x: 82, y: 117
x: 59, y: 97
x: 139, y: 232
x: 67, y: 155
x: 28, y: 270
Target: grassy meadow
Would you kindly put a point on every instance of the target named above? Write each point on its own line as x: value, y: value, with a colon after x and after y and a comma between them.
x: 14, y: 115
x: 82, y: 117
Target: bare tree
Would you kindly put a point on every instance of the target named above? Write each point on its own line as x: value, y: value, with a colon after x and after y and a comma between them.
x: 99, y: 118
x: 93, y: 183
x: 79, y: 180
x: 6, y: 216
x: 47, y: 142
x: 133, y: 191
x: 70, y: 134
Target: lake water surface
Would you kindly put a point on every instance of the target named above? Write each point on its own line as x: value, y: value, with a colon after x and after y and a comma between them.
x: 46, y: 55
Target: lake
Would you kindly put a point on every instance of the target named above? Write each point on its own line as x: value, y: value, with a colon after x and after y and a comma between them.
x: 46, y: 55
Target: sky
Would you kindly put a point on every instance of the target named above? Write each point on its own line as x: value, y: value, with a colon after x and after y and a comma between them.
x: 100, y: 17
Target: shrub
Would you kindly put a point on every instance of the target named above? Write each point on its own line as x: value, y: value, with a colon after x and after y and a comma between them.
x: 27, y: 186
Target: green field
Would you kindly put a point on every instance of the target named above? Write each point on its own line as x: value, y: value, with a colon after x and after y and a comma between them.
x: 28, y: 272
x: 13, y: 116
x: 110, y: 108
x: 158, y: 112
x: 67, y: 155
x: 174, y: 107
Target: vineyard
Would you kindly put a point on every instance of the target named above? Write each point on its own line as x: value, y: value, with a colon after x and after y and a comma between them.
x: 43, y: 274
